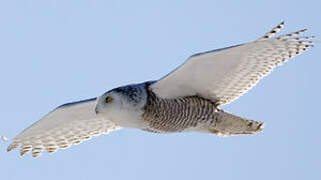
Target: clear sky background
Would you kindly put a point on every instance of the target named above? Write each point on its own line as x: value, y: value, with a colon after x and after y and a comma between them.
x: 53, y: 52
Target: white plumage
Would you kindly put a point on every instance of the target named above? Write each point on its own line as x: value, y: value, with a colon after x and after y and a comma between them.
x: 68, y: 124
x: 215, y: 77
x: 224, y: 75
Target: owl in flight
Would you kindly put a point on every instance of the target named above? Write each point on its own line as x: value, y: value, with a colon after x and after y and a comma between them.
x: 186, y: 99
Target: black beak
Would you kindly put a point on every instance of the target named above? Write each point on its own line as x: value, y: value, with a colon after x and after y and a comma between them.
x: 96, y: 110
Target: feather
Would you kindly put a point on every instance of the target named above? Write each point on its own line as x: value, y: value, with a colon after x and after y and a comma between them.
x: 224, y: 75
x: 69, y: 124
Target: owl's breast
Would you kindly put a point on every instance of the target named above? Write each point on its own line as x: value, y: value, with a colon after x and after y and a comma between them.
x: 176, y: 115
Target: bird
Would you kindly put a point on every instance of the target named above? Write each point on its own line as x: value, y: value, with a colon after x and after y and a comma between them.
x: 188, y: 99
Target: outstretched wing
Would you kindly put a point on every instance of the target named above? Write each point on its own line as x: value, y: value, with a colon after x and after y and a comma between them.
x: 69, y: 124
x: 225, y: 74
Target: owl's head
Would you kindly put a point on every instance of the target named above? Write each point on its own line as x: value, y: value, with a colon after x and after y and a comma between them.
x: 122, y: 100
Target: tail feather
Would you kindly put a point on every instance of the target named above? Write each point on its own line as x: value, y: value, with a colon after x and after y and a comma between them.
x: 229, y: 124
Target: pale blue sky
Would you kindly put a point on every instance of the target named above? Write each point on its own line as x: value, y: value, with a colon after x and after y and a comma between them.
x: 53, y: 52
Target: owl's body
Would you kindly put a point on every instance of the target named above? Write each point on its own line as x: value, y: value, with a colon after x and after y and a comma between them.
x: 187, y: 99
x: 142, y: 108
x: 179, y: 114
x: 155, y: 114
x: 193, y: 113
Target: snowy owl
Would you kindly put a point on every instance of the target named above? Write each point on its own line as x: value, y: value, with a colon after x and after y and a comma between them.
x: 187, y: 99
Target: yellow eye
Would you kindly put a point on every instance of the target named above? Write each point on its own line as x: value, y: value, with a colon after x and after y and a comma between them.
x: 109, y: 99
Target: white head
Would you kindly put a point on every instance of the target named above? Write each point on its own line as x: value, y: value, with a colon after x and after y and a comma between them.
x: 122, y: 104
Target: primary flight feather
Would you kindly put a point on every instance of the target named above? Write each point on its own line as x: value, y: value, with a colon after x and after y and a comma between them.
x: 186, y: 99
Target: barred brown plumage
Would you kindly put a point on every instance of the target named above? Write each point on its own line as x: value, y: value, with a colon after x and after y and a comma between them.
x: 175, y: 115
x: 182, y: 114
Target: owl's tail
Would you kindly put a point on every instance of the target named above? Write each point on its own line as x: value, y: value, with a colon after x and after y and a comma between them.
x: 229, y: 124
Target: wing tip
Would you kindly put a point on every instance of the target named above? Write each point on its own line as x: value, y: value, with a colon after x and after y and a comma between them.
x: 37, y: 146
x: 272, y: 32
x: 12, y: 147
